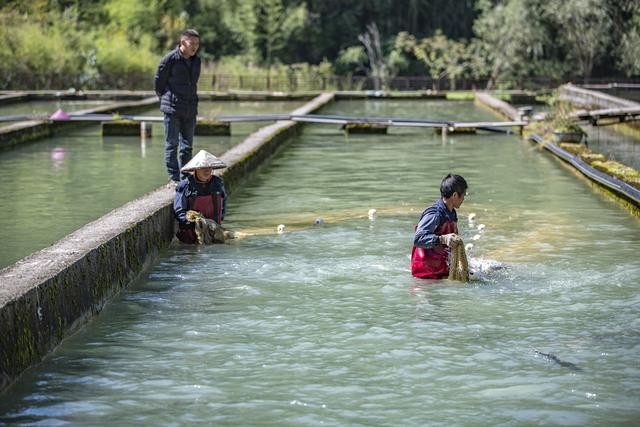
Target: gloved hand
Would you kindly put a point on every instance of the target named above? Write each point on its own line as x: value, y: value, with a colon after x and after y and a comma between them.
x: 450, y: 240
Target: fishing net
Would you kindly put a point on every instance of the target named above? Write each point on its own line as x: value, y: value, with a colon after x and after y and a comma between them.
x: 458, y: 264
x: 207, y: 230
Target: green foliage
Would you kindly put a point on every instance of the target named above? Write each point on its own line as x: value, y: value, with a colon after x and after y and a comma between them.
x: 121, y: 63
x: 239, y: 71
x: 629, y: 49
x: 62, y: 43
x: 558, y: 118
x: 514, y: 38
x: 630, y: 52
x: 39, y: 54
x: 461, y: 96
x: 264, y: 27
x: 352, y: 58
x: 441, y: 56
x: 218, y: 36
x: 585, y: 30
x: 275, y: 24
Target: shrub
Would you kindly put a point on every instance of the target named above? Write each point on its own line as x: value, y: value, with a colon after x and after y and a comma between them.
x: 39, y: 55
x: 124, y: 64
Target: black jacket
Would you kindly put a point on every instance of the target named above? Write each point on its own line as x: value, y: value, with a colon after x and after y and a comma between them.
x: 176, y: 84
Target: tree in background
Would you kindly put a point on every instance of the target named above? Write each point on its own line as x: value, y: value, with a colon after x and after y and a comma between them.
x: 352, y: 60
x: 629, y: 49
x: 42, y: 51
x: 162, y: 21
x: 334, y: 25
x: 220, y: 33
x: 370, y: 58
x: 441, y: 56
x: 263, y: 27
x: 93, y: 43
x: 513, y: 36
x: 584, y: 29
x: 378, y: 68
x: 275, y: 25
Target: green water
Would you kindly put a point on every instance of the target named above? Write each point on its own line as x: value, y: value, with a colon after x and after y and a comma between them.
x: 56, y: 185
x: 324, y: 325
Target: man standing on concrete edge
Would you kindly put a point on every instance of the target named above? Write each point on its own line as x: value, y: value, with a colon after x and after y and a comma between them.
x: 176, y: 84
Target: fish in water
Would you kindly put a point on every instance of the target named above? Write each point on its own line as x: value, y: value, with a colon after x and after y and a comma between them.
x: 553, y: 358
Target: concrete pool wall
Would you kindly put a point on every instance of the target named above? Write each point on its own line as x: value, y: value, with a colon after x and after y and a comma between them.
x: 129, y: 102
x: 51, y: 293
x: 592, y: 99
x: 23, y: 132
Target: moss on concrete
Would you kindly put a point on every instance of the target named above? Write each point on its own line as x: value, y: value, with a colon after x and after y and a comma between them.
x: 590, y: 157
x: 620, y: 171
x: 121, y: 128
x: 12, y: 135
x: 600, y: 162
x: 461, y: 95
x: 596, y: 160
x: 374, y: 128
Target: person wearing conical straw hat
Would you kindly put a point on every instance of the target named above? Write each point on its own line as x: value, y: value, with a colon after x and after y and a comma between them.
x: 200, y: 191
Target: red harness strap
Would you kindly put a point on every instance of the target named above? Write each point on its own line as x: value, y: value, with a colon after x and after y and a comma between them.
x: 210, y: 206
x: 432, y: 263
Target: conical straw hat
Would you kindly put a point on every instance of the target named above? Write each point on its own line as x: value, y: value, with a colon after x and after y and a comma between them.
x: 60, y: 114
x: 203, y: 159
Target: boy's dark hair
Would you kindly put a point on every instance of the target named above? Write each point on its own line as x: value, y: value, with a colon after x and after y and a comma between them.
x: 453, y: 184
x: 189, y: 33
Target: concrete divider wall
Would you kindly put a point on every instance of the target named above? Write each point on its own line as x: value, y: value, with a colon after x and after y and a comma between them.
x: 132, y: 95
x: 46, y: 295
x: 592, y: 99
x: 20, y: 133
x: 49, y: 294
x: 503, y: 108
x: 13, y: 98
x: 372, y: 94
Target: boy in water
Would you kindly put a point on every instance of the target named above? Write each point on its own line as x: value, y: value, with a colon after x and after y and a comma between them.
x: 436, y: 230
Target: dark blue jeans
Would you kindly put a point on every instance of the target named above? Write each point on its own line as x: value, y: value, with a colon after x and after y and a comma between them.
x: 178, y: 143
